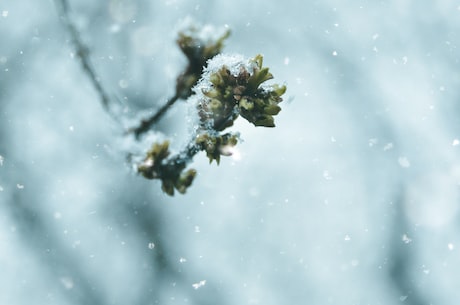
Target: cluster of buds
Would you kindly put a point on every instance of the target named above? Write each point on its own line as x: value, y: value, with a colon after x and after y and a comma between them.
x: 231, y: 87
x: 158, y: 165
x: 238, y: 90
x: 216, y: 145
x: 228, y: 87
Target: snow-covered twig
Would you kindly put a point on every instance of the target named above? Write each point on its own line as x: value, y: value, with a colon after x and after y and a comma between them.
x: 221, y: 88
x: 199, y: 44
x: 231, y: 86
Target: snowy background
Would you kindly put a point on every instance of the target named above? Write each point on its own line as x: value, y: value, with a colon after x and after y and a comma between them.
x: 353, y: 199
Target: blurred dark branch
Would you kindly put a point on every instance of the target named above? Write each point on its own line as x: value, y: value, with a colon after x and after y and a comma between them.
x: 197, y: 51
x: 149, y: 223
x: 82, y: 52
x: 56, y: 258
x: 401, y: 258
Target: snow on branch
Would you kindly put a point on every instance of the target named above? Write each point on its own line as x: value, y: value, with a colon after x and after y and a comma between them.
x: 199, y: 44
x: 219, y: 87
x: 231, y: 86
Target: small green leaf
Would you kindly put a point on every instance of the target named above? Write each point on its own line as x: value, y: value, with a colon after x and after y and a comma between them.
x: 246, y: 104
x: 258, y: 60
x: 279, y: 90
x: 258, y: 78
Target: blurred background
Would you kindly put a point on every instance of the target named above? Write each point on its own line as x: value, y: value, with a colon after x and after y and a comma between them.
x: 353, y: 199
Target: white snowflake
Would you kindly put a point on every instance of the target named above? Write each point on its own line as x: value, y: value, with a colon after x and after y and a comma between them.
x: 199, y: 284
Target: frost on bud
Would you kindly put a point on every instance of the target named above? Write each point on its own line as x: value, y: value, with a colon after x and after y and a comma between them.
x: 230, y: 86
x: 156, y: 165
x: 238, y: 86
x: 150, y: 168
x: 216, y: 145
x: 185, y: 180
x: 199, y: 44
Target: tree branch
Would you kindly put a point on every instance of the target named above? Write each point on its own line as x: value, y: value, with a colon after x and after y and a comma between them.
x: 198, y: 47
x: 222, y: 96
x: 146, y: 124
x: 58, y: 260
x: 82, y: 52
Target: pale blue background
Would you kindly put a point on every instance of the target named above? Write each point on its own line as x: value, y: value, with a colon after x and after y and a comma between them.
x: 353, y: 199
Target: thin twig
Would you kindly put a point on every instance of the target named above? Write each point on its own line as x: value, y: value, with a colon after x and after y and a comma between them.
x: 146, y: 124
x: 82, y: 52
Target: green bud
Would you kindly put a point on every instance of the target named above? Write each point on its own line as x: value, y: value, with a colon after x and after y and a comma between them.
x: 215, y: 79
x: 214, y: 156
x: 246, y: 104
x: 188, y: 177
x: 159, y: 151
x: 146, y: 169
x: 258, y: 60
x: 211, y: 93
x: 215, y: 105
x: 272, y: 109
x: 229, y: 96
x: 257, y: 78
x: 185, y: 180
x: 168, y: 187
x: 279, y: 90
x: 265, y: 120
x: 228, y: 93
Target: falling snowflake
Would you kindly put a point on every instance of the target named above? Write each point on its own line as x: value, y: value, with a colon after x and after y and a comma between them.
x: 67, y: 282
x: 199, y: 284
x: 404, y: 162
x: 406, y: 239
x: 388, y: 146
